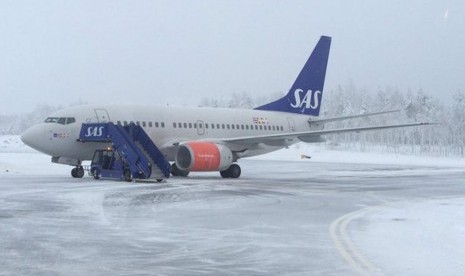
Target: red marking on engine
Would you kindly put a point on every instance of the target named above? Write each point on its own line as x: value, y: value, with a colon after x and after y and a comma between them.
x: 206, y: 156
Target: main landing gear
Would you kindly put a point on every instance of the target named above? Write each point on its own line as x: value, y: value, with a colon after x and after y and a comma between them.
x: 175, y: 171
x: 77, y: 172
x: 234, y: 171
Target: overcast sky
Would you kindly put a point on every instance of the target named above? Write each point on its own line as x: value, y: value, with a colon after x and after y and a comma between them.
x: 177, y: 52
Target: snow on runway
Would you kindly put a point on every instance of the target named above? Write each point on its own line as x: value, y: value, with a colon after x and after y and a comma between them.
x: 421, y: 236
x: 275, y: 219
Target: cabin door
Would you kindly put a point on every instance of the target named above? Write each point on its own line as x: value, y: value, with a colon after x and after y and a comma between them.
x: 102, y: 115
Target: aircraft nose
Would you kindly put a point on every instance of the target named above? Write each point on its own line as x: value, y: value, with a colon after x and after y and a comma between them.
x: 32, y: 137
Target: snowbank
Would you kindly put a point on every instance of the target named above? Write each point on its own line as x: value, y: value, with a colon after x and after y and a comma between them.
x: 16, y: 157
x: 13, y: 143
x: 319, y: 153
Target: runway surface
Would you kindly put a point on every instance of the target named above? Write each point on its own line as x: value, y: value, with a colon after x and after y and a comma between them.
x: 280, y: 217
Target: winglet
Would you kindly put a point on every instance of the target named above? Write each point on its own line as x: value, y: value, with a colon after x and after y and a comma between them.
x: 306, y: 93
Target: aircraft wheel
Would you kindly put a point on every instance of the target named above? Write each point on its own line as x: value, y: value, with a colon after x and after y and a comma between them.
x: 234, y: 171
x: 183, y: 173
x: 175, y: 171
x: 224, y: 174
x: 74, y: 172
x: 159, y: 180
x: 79, y: 172
x: 127, y: 175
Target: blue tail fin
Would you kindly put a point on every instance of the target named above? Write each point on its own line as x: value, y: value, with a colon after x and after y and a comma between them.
x: 306, y: 93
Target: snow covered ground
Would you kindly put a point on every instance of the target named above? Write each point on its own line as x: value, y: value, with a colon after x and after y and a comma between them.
x: 338, y: 213
x: 415, y: 237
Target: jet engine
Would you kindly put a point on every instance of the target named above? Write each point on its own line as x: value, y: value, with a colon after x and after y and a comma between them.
x: 203, y: 156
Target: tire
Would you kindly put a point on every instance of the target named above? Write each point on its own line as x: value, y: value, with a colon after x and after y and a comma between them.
x: 175, y: 171
x: 127, y: 175
x: 225, y: 173
x: 80, y: 172
x: 74, y: 172
x: 183, y: 173
x: 234, y: 171
x: 95, y: 174
x: 159, y: 180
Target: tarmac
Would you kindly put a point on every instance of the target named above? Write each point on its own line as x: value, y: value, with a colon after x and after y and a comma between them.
x: 280, y: 217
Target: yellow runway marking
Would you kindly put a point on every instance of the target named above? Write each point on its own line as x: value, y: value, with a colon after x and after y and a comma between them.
x: 347, y: 249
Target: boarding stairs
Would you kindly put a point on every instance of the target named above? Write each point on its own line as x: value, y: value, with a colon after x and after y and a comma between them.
x: 132, y: 143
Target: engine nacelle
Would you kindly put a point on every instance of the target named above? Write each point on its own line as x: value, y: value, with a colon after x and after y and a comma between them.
x: 203, y: 156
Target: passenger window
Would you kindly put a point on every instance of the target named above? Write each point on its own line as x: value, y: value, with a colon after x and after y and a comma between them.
x: 195, y: 125
x: 261, y: 127
x: 206, y: 125
x: 256, y: 127
x: 185, y: 125
x: 232, y: 126
x: 174, y: 125
x: 138, y: 123
x: 118, y: 122
x: 156, y: 124
x: 144, y: 124
x: 223, y: 126
x: 213, y: 126
x: 179, y: 125
x: 247, y: 127
x: 163, y: 124
x: 190, y: 125
x: 150, y: 124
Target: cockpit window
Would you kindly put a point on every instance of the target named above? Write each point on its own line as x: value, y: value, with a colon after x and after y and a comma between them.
x: 60, y: 120
x: 51, y: 120
x: 70, y: 120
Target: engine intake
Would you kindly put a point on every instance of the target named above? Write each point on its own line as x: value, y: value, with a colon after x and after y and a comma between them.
x: 203, y: 156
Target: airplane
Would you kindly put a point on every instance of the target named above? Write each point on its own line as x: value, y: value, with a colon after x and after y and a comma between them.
x: 204, y: 138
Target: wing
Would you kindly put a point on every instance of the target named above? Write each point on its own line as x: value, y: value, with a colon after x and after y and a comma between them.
x: 292, y: 135
x: 342, y: 118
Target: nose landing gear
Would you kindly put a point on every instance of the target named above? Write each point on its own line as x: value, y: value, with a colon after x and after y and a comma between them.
x: 77, y: 172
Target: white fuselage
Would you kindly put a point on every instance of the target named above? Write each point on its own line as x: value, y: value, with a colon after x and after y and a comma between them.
x: 167, y: 126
